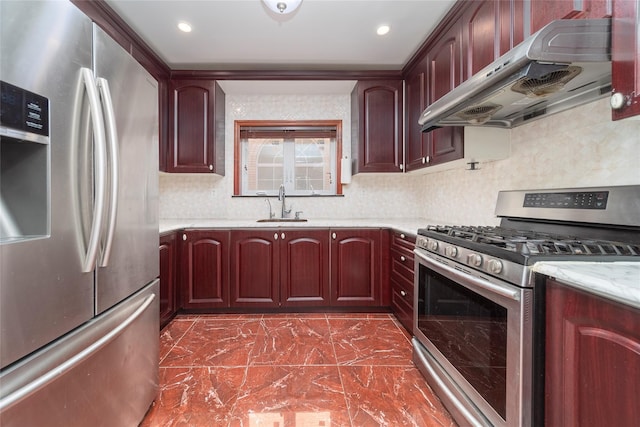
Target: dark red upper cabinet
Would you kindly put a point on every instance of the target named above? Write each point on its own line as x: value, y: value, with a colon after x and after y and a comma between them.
x: 416, y: 142
x: 480, y: 28
x: 545, y: 11
x: 489, y: 29
x: 196, y: 127
x: 625, y: 67
x: 376, y: 114
x: 444, y: 74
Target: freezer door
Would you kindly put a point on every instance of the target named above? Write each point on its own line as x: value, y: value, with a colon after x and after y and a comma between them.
x: 43, y: 291
x: 133, y: 252
x: 103, y: 374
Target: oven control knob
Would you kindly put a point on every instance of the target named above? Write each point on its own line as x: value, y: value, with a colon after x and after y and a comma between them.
x: 474, y: 260
x: 495, y: 266
x: 433, y: 245
x: 451, y: 251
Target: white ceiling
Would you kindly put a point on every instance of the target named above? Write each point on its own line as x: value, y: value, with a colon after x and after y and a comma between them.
x: 319, y: 35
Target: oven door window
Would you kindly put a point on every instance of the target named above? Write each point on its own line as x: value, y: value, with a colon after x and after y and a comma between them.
x: 469, y: 330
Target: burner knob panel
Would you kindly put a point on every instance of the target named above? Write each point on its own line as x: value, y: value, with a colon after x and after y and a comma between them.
x: 433, y: 245
x: 474, y: 260
x: 451, y: 251
x: 495, y: 266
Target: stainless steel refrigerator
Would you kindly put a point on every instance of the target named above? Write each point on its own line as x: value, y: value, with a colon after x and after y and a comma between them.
x: 78, y: 223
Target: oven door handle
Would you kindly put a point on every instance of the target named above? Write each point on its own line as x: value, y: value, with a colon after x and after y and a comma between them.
x: 512, y: 294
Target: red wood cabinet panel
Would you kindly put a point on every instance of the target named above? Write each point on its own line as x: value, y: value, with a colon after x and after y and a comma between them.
x: 480, y: 26
x: 304, y: 271
x: 168, y: 262
x: 255, y: 268
x: 355, y: 267
x: 204, y: 271
x: 625, y: 66
x: 196, y: 127
x: 592, y: 375
x: 376, y: 114
x: 444, y: 74
x: 280, y: 267
x: 545, y: 11
x: 416, y: 142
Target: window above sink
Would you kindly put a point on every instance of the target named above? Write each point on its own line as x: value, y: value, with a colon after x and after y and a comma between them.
x: 302, y: 155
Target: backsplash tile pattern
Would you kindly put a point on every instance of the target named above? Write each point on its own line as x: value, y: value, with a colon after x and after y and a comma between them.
x: 580, y: 147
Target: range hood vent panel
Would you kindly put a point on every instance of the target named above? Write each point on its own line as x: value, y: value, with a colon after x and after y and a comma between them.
x: 565, y: 64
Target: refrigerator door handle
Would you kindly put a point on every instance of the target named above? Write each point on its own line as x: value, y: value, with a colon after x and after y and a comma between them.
x: 114, y: 156
x: 100, y: 161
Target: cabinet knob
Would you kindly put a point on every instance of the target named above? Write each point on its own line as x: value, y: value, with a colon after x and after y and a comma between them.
x: 275, y: 236
x: 282, y: 235
x: 618, y: 101
x: 210, y: 167
x: 424, y: 160
x: 334, y: 236
x: 428, y: 159
x: 402, y: 235
x: 184, y: 237
x: 402, y: 258
x: 403, y: 293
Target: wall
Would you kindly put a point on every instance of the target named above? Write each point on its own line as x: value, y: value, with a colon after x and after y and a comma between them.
x: 581, y: 147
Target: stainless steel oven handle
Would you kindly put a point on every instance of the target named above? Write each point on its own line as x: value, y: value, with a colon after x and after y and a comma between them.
x: 513, y: 294
x: 473, y: 421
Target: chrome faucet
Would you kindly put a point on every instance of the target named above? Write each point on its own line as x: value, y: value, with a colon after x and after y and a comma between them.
x: 271, y: 213
x: 282, y: 198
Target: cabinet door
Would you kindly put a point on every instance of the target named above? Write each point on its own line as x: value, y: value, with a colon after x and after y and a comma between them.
x: 592, y: 375
x: 168, y: 253
x: 255, y: 268
x: 545, y: 11
x: 444, y: 74
x: 416, y: 142
x: 196, y: 127
x: 625, y: 66
x: 204, y: 272
x: 304, y: 271
x: 355, y: 267
x: 377, y: 129
x: 480, y: 27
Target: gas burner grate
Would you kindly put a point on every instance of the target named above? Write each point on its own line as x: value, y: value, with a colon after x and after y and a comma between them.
x: 527, y: 243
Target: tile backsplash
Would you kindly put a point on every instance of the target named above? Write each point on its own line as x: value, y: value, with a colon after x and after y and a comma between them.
x: 576, y: 148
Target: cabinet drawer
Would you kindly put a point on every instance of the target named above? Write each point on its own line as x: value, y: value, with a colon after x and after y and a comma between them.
x: 402, y: 307
x: 401, y: 283
x: 402, y: 242
x: 402, y: 264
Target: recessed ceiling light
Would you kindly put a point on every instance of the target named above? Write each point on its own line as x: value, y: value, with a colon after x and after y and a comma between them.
x: 183, y: 26
x: 382, y: 30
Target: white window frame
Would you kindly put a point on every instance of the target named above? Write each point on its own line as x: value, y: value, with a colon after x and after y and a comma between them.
x: 241, y: 157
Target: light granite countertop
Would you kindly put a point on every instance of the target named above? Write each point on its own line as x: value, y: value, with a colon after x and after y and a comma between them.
x: 618, y: 281
x: 408, y: 226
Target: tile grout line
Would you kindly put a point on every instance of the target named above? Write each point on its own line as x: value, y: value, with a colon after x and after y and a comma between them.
x: 344, y: 391
x: 193, y: 322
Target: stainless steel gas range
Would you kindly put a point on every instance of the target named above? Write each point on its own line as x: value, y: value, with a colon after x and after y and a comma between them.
x: 479, y: 310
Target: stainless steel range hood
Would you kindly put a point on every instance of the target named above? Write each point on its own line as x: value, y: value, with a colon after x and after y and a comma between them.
x: 565, y: 64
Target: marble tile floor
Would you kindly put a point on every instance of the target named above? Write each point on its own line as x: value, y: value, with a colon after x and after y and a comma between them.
x: 291, y: 370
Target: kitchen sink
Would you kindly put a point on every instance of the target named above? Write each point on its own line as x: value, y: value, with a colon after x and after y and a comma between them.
x: 282, y: 220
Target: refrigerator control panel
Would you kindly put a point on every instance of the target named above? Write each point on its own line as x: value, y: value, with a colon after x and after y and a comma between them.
x: 23, y: 111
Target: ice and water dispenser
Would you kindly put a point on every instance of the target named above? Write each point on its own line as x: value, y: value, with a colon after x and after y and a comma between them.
x: 24, y: 164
